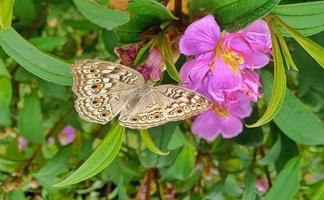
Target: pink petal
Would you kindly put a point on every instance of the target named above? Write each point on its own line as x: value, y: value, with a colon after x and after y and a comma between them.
x: 231, y: 127
x: 258, y: 34
x: 242, y: 108
x: 206, y: 125
x: 67, y: 135
x: 223, y: 78
x: 251, y: 84
x: 201, y: 36
x: 193, y: 73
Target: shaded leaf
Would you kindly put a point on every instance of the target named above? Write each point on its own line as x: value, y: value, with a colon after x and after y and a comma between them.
x: 295, y: 119
x: 101, y: 15
x: 233, y: 15
x: 143, y: 15
x: 250, y: 183
x: 30, y: 122
x: 287, y: 183
x: 272, y: 154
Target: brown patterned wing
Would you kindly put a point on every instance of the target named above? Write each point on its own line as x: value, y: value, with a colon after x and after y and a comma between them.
x: 163, y: 104
x: 180, y: 103
x: 103, y: 88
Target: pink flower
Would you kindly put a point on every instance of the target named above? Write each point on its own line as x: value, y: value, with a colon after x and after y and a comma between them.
x: 262, y: 184
x: 224, y: 56
x: 223, y: 118
x: 127, y: 54
x: 22, y: 143
x: 221, y: 68
x: 67, y: 135
x: 152, y: 67
x: 51, y: 140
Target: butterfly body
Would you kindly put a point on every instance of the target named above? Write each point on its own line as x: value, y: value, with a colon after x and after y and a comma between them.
x: 105, y: 89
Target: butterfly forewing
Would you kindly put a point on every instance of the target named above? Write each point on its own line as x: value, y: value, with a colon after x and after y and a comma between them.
x: 103, y: 88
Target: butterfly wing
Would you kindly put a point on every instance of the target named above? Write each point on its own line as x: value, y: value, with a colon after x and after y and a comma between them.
x: 163, y: 104
x: 144, y: 113
x: 103, y: 88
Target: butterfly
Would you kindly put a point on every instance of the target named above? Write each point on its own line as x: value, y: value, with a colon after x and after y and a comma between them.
x: 105, y: 89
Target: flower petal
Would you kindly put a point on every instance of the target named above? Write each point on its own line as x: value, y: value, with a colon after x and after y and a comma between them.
x: 206, y: 125
x: 223, y: 79
x: 201, y: 36
x: 193, y: 73
x: 242, y: 108
x: 231, y: 127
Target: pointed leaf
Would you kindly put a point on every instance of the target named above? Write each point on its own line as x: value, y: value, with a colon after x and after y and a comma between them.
x: 169, y: 63
x: 105, y: 153
x: 279, y: 86
x: 306, y: 18
x: 6, y: 7
x: 150, y: 144
x: 33, y: 60
x: 315, y: 50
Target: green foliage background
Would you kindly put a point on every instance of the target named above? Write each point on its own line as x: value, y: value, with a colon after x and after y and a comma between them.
x: 36, y: 102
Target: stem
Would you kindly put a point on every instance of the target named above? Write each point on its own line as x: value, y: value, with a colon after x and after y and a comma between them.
x: 178, y: 8
x: 157, y: 183
x: 266, y: 169
x: 148, y: 186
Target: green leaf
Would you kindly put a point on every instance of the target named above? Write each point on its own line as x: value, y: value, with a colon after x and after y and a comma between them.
x: 167, y: 54
x: 48, y: 43
x: 105, y: 153
x: 143, y: 15
x: 56, y: 165
x: 6, y: 7
x: 150, y: 144
x: 272, y: 155
x: 279, y: 86
x: 8, y: 166
x: 16, y: 195
x: 3, y: 70
x: 141, y: 56
x: 295, y: 119
x: 289, y: 150
x: 30, y: 121
x: 319, y: 194
x: 315, y: 50
x: 287, y: 183
x: 5, y: 91
x: 233, y: 15
x: 306, y: 18
x: 250, y: 183
x: 161, y: 136
x: 33, y: 60
x: 101, y: 15
x: 177, y: 140
x: 184, y: 163
x: 286, y: 53
x: 232, y: 187
x: 25, y: 11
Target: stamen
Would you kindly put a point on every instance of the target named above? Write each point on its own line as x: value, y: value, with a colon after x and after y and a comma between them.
x: 220, y: 110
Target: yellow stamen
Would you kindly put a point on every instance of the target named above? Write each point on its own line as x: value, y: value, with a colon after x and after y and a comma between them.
x: 220, y: 110
x: 231, y: 58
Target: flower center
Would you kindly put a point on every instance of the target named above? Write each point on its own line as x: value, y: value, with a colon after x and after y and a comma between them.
x: 220, y: 110
x: 231, y: 58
